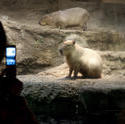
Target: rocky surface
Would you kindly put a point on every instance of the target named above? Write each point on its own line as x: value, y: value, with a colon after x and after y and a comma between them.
x: 61, y: 100
x: 51, y: 96
x: 37, y: 46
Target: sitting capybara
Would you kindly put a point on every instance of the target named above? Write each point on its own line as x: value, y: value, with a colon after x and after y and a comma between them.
x: 67, y: 18
x: 83, y: 60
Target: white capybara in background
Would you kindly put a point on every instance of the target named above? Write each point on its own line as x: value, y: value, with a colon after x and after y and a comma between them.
x: 67, y: 18
x: 83, y: 60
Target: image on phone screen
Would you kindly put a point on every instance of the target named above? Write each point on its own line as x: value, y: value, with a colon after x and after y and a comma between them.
x: 10, y: 56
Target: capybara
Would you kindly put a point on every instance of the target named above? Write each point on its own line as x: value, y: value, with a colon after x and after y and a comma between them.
x: 67, y: 18
x: 84, y: 60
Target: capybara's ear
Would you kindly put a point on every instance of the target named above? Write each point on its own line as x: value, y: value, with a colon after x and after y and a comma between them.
x: 73, y: 42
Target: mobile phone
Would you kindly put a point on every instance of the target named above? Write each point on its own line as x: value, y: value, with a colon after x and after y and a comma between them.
x: 11, y: 55
x: 11, y: 61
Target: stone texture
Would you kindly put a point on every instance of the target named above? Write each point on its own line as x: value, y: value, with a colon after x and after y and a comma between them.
x: 57, y: 99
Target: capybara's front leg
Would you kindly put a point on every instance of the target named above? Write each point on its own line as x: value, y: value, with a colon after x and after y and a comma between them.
x: 70, y: 73
x: 75, y: 73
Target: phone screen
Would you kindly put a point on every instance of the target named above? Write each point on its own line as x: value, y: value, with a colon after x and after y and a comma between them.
x: 10, y: 55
